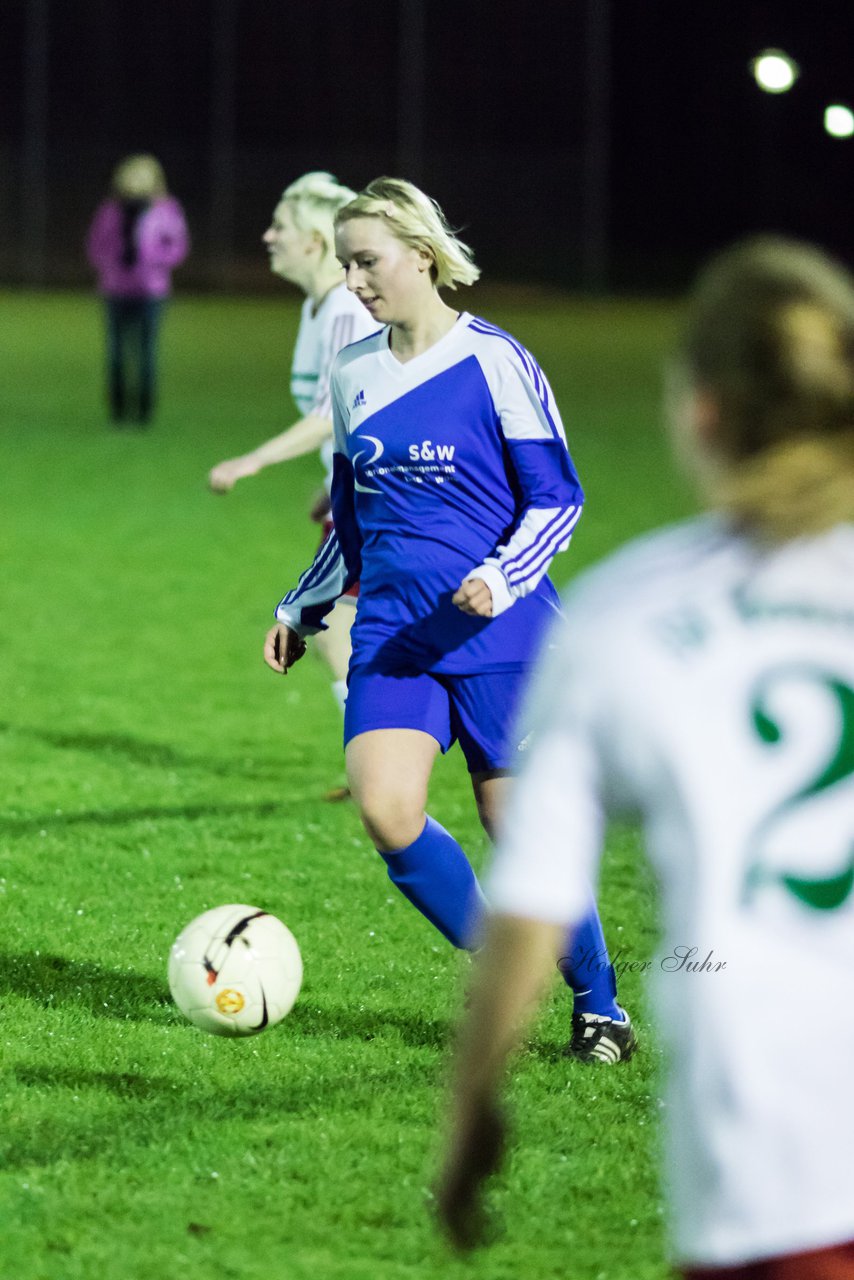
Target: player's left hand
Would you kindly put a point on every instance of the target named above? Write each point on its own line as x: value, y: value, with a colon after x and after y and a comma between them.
x: 473, y: 597
x: 476, y: 1152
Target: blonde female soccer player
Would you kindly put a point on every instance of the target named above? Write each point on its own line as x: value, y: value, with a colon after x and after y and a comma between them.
x: 452, y: 491
x: 300, y: 242
x: 706, y: 682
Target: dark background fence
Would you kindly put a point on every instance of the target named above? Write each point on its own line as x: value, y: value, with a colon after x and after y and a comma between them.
x: 593, y: 144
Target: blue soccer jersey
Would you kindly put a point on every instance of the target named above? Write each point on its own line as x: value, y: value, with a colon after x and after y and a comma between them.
x: 451, y: 465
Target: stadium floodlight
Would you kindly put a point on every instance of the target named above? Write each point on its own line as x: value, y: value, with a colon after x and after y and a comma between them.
x: 839, y: 121
x: 774, y: 71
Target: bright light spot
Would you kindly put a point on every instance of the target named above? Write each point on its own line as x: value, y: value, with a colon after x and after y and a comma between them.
x: 839, y: 121
x: 774, y: 71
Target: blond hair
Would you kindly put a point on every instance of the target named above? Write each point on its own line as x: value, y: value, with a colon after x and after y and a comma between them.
x: 314, y: 200
x: 418, y: 222
x: 139, y: 177
x: 770, y: 337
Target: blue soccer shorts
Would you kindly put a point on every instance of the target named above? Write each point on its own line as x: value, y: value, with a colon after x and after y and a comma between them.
x: 478, y: 711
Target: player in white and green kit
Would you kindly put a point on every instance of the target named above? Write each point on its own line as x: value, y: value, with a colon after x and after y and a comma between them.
x: 301, y: 244
x: 704, y: 681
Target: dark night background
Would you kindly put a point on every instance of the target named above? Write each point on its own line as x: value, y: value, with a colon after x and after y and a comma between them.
x: 589, y: 143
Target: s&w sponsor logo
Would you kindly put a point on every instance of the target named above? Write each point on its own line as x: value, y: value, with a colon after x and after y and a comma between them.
x: 426, y: 464
x: 428, y: 452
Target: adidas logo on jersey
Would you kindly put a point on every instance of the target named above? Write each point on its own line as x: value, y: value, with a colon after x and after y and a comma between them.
x: 358, y: 400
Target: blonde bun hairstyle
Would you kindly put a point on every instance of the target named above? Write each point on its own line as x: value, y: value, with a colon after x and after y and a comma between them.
x: 770, y: 338
x: 418, y: 222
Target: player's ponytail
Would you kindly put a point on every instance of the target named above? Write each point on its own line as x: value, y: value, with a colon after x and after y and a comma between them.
x: 770, y: 338
x: 794, y: 489
x: 418, y: 222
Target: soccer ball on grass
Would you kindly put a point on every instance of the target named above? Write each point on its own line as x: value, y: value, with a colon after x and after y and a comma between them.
x: 235, y: 970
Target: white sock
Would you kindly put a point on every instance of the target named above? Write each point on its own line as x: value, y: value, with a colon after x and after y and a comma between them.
x: 339, y: 693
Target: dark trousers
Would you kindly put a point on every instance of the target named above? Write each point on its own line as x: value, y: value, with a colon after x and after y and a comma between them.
x: 132, y: 329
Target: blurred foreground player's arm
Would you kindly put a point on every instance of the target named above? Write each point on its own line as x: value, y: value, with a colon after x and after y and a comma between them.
x: 517, y: 959
x: 539, y: 886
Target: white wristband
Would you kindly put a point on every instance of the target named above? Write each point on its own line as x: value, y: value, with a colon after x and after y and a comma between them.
x: 283, y: 616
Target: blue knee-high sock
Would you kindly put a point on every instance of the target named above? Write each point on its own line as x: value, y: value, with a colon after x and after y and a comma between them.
x: 587, y: 968
x: 437, y: 878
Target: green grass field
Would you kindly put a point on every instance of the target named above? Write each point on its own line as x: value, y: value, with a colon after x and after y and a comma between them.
x: 152, y: 767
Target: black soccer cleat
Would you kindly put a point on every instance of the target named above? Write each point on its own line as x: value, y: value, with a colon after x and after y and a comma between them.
x: 599, y: 1039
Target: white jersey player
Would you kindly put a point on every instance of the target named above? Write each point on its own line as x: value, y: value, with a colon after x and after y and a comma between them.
x: 300, y: 241
x: 325, y: 328
x: 705, y: 681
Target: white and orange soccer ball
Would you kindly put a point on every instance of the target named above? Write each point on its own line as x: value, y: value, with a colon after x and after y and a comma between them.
x: 235, y: 970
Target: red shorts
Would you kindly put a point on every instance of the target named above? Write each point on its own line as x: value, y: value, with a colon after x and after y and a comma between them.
x: 328, y: 526
x: 836, y: 1263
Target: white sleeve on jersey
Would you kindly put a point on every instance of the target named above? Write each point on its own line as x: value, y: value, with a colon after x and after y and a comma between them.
x: 551, y: 495
x: 315, y: 594
x: 524, y: 560
x: 335, y: 566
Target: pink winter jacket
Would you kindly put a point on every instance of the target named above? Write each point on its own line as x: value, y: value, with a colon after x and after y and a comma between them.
x: 161, y: 240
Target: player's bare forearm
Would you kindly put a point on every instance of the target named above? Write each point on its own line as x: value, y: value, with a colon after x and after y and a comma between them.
x: 224, y: 476
x: 304, y: 436
x: 517, y: 957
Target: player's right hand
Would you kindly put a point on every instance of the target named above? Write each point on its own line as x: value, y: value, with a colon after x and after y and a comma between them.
x: 282, y: 648
x: 225, y: 475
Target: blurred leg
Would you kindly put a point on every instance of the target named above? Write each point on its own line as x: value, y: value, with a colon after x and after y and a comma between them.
x: 116, y: 344
x: 150, y: 313
x: 333, y: 645
x: 491, y: 790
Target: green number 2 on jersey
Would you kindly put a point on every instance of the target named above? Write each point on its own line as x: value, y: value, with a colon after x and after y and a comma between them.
x: 820, y: 894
